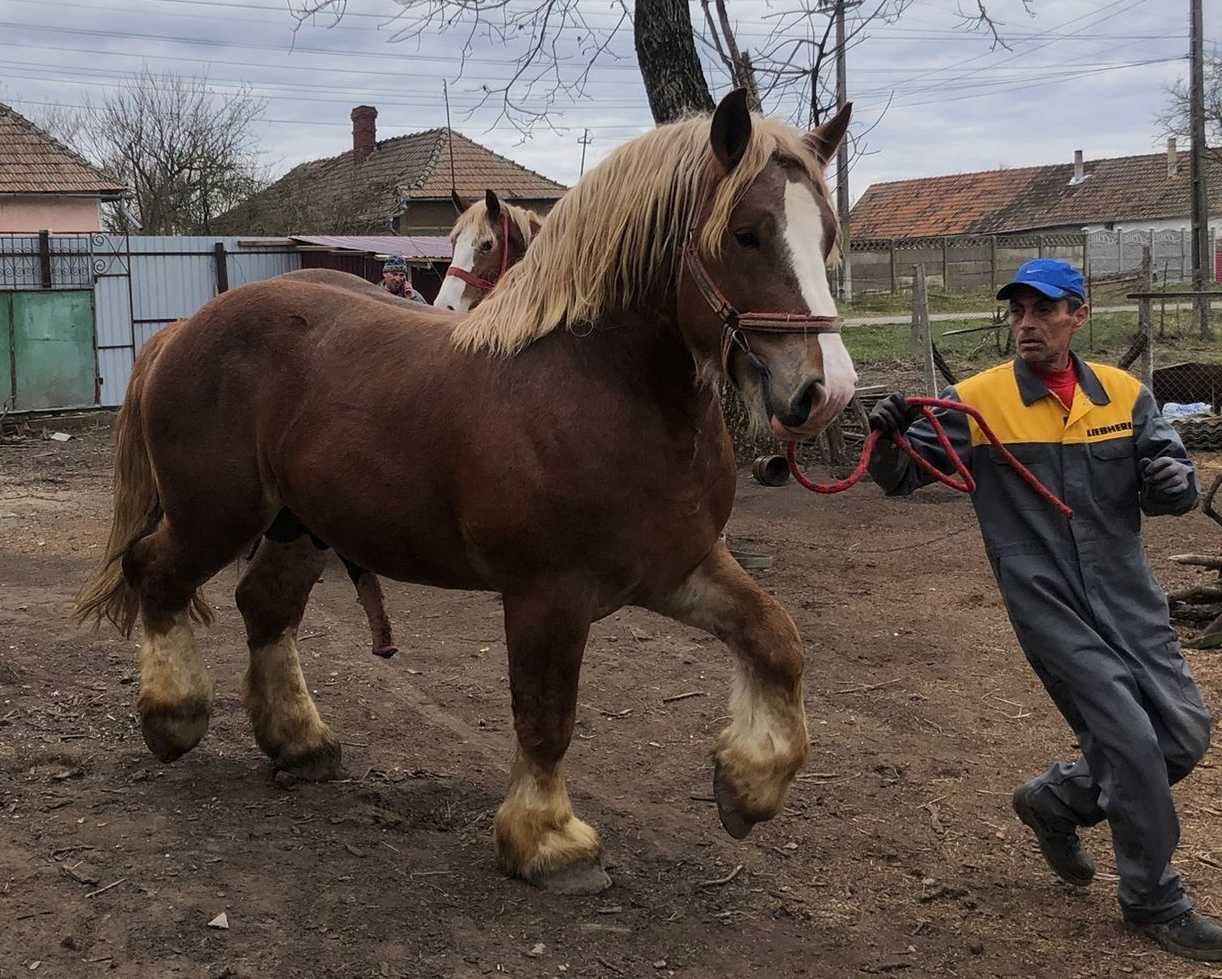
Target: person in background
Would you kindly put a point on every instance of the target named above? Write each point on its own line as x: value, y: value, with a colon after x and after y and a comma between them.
x: 1087, y: 611
x: 396, y: 279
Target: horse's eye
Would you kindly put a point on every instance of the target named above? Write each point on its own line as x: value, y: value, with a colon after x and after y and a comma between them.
x: 747, y: 238
x: 485, y: 246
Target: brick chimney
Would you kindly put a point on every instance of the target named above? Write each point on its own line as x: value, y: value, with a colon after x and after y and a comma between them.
x: 1173, y: 163
x: 1077, y: 166
x: 364, y: 132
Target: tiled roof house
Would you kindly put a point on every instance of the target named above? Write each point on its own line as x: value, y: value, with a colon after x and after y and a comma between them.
x: 393, y: 185
x: 44, y: 185
x: 1126, y: 192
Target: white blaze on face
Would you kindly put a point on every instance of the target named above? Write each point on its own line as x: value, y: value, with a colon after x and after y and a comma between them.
x: 453, y: 289
x: 804, y: 236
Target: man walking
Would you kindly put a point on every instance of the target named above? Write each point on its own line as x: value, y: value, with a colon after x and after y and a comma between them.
x: 1085, y: 607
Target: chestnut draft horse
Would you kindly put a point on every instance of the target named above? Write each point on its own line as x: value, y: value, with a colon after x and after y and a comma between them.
x: 488, y: 237
x: 562, y: 445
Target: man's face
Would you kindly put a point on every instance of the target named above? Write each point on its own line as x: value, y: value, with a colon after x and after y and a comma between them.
x: 1043, y: 327
x: 394, y: 281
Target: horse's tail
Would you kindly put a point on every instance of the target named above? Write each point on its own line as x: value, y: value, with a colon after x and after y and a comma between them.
x: 137, y: 508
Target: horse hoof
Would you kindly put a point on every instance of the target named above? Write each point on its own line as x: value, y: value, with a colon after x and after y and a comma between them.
x: 321, y: 764
x: 736, y: 824
x: 386, y: 652
x: 583, y: 877
x: 170, y: 732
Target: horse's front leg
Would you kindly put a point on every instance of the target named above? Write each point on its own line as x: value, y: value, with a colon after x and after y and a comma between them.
x: 537, y: 836
x: 765, y: 744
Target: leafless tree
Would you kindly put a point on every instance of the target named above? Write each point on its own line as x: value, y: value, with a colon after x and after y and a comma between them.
x: 186, y: 152
x: 556, y: 45
x: 1174, y: 118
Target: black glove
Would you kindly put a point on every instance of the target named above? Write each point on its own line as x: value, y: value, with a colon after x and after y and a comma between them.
x: 1166, y: 476
x: 891, y: 415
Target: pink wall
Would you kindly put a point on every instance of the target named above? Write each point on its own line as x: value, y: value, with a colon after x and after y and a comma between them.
x: 59, y: 214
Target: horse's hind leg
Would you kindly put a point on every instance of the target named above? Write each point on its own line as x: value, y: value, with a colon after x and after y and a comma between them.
x: 369, y: 593
x: 272, y: 597
x: 761, y: 750
x: 537, y: 835
x: 175, y: 690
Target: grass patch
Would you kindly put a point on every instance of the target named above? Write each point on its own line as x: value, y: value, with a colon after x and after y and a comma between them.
x: 1105, y: 338
x: 882, y: 303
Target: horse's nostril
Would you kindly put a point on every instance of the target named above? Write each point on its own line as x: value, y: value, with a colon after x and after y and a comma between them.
x: 449, y: 307
x: 801, y: 404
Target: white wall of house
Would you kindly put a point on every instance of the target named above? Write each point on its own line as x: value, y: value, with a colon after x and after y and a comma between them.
x: 1154, y: 224
x: 25, y: 213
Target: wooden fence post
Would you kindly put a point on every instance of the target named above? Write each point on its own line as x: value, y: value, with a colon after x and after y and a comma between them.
x: 993, y: 264
x: 222, y: 267
x: 945, y: 266
x: 1145, y: 317
x: 1039, y: 246
x: 922, y: 346
x: 44, y: 258
x: 895, y: 283
x: 1086, y: 253
x: 1213, y: 255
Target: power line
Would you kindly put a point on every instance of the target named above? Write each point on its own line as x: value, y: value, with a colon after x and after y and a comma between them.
x: 215, y: 43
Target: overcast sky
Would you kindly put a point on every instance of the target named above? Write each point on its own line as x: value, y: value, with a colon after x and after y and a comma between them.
x: 1081, y: 74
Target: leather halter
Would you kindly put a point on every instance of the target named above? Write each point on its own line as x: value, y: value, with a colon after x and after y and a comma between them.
x: 735, y: 324
x: 487, y: 285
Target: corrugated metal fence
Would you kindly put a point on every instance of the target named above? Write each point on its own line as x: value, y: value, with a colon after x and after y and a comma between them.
x: 145, y: 283
x: 139, y: 285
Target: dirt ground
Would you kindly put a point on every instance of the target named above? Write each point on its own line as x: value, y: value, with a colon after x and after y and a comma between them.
x: 897, y: 855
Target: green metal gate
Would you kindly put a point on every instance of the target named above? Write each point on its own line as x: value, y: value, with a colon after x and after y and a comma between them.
x: 47, y: 353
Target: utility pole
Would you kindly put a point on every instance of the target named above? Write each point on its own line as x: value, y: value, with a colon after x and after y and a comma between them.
x: 584, y: 141
x: 842, y: 160
x: 836, y: 8
x: 1200, y: 200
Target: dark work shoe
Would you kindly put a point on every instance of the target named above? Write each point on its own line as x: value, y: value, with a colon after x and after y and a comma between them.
x: 1191, y: 936
x: 1060, y: 848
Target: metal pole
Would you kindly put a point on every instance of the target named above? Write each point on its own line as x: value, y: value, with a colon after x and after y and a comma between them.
x: 584, y: 141
x: 842, y: 159
x: 1200, y: 203
x: 445, y: 91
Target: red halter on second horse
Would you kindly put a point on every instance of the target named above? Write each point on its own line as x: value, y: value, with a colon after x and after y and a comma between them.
x: 967, y: 483
x: 488, y: 284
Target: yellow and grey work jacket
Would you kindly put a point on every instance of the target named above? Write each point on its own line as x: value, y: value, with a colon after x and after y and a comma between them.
x: 1059, y: 574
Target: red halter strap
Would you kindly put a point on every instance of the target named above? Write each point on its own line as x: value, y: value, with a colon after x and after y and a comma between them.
x: 735, y: 325
x: 487, y: 285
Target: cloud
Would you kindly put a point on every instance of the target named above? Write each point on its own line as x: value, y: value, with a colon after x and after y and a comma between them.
x: 956, y: 104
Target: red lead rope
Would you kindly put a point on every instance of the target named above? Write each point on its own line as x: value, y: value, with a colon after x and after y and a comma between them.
x: 965, y: 485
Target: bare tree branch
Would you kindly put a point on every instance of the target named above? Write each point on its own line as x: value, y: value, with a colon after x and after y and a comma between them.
x: 187, y: 152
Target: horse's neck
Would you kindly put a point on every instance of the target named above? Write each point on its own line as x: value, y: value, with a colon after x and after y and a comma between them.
x: 643, y: 354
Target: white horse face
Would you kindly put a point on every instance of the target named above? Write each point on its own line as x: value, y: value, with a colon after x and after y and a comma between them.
x: 471, y: 243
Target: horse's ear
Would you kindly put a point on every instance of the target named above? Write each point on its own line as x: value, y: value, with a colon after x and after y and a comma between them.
x: 730, y: 133
x: 493, y: 203
x: 459, y: 204
x: 824, y: 140
x: 536, y: 224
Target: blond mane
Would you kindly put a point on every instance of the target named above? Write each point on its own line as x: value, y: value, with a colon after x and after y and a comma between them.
x: 618, y: 235
x: 476, y: 216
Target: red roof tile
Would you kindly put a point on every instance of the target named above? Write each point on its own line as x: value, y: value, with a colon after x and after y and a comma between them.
x: 1122, y: 189
x: 339, y: 196
x: 33, y: 162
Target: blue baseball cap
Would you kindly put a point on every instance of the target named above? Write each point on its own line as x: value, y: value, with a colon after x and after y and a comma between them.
x: 1049, y: 276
